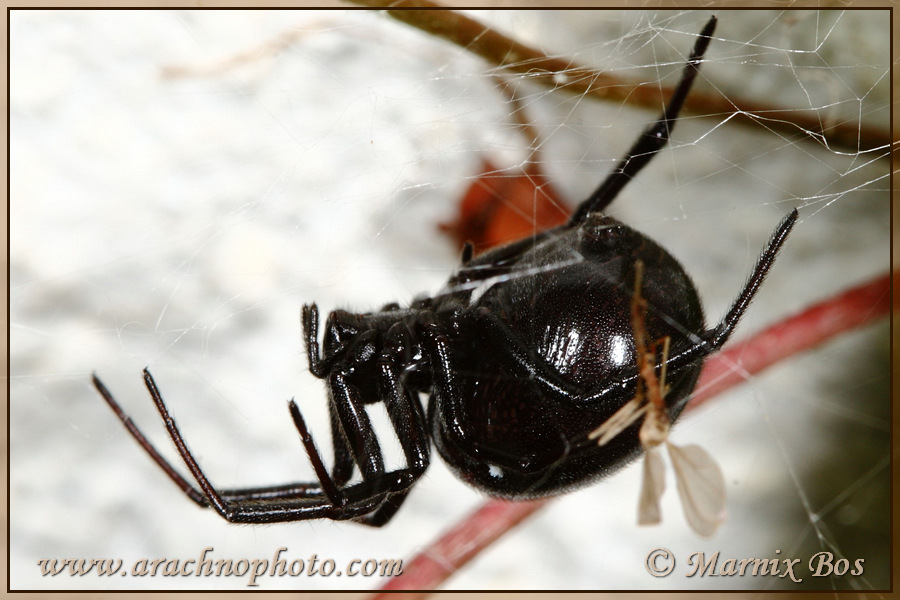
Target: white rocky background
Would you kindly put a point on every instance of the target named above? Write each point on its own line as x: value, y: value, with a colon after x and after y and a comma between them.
x: 181, y: 223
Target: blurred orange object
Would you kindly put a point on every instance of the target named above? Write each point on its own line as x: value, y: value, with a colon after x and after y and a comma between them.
x: 504, y: 206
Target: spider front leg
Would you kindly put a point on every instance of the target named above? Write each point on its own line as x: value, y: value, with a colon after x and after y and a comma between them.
x: 342, y: 470
x: 286, y: 502
x: 353, y: 433
x: 309, y: 317
x: 352, y: 437
x: 355, y: 378
x: 407, y: 417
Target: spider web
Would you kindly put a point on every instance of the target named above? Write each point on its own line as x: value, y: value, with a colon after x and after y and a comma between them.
x: 294, y: 164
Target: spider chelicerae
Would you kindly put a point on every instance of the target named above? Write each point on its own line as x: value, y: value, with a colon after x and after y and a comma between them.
x: 526, y: 350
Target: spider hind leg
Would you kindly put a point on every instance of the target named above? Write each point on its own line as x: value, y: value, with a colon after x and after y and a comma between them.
x: 651, y: 140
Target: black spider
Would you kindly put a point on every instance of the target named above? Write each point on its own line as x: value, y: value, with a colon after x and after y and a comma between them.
x: 527, y: 349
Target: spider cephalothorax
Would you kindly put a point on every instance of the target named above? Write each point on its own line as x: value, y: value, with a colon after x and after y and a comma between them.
x: 525, y: 351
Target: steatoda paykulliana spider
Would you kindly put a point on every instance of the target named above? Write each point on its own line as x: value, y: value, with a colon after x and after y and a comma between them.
x: 526, y: 350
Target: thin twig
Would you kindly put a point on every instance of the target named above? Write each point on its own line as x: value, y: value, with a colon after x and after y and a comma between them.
x: 561, y: 73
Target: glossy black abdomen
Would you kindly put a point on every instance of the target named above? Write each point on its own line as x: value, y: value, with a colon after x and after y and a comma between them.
x: 575, y: 315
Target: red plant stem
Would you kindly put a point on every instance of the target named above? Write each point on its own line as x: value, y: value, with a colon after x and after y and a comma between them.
x: 457, y: 546
x: 813, y: 326
x: 807, y: 329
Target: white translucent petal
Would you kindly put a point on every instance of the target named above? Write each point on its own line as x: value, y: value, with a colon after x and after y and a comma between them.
x: 701, y: 486
x: 618, y: 422
x: 653, y: 485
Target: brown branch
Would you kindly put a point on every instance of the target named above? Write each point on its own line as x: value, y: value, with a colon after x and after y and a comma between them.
x: 214, y: 69
x: 557, y: 73
x: 813, y: 326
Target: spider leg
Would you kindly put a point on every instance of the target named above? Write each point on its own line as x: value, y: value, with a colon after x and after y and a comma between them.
x: 402, y: 403
x: 652, y: 140
x: 342, y: 470
x: 353, y: 438
x: 290, y: 490
x: 213, y: 497
x: 287, y: 502
x: 446, y: 377
x: 329, y: 487
x: 718, y: 335
x: 343, y: 461
x: 403, y: 479
x: 382, y: 492
x: 309, y: 318
x: 174, y: 475
x: 356, y: 426
x: 408, y: 419
x: 714, y: 338
x: 360, y: 499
